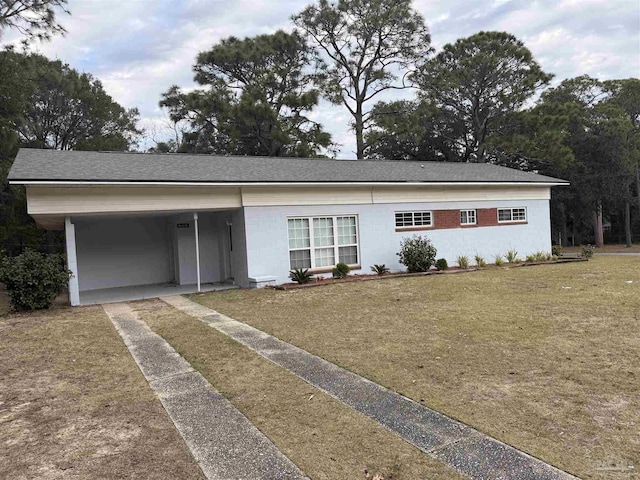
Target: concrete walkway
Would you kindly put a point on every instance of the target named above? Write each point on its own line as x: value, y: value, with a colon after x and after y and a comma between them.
x: 223, y: 442
x: 454, y: 443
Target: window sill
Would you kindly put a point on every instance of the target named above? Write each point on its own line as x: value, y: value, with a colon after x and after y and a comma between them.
x: 414, y: 229
x: 514, y: 222
x: 330, y: 269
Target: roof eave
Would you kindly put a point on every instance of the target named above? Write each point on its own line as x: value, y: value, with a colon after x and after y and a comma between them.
x: 63, y: 183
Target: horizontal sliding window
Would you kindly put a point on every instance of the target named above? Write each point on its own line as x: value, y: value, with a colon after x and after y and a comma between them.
x: 319, y: 242
x: 467, y: 217
x: 413, y: 219
x: 506, y: 215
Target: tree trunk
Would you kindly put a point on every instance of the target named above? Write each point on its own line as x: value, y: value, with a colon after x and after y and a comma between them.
x: 627, y: 223
x: 597, y: 226
x: 359, y: 124
x: 563, y: 231
x: 638, y: 185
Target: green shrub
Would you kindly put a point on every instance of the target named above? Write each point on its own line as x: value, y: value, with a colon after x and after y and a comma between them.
x: 379, y: 269
x: 498, y: 260
x: 587, y: 251
x: 417, y: 253
x: 341, y: 270
x: 441, y: 264
x: 300, y: 275
x: 480, y: 261
x: 530, y: 258
x: 512, y: 256
x: 557, y: 250
x: 463, y: 261
x: 541, y: 256
x: 33, y: 280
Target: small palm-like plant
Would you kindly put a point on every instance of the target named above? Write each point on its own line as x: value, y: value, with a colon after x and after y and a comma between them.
x: 499, y: 261
x: 380, y: 269
x: 463, y: 261
x: 512, y: 256
x: 480, y: 261
x: 300, y: 275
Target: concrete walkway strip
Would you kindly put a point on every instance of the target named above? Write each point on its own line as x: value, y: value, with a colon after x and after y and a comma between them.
x: 223, y: 442
x: 456, y: 444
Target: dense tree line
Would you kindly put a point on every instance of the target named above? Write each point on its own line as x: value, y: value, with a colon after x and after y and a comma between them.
x: 483, y: 98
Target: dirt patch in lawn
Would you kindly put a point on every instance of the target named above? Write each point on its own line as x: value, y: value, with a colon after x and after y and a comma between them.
x: 74, y: 404
x: 544, y: 358
x: 326, y: 439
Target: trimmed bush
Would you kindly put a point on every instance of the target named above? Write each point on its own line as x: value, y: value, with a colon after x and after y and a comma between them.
x: 587, y: 251
x: 463, y: 261
x: 300, y: 275
x: 441, y: 264
x: 417, y: 253
x: 380, y: 269
x: 341, y: 270
x: 33, y: 279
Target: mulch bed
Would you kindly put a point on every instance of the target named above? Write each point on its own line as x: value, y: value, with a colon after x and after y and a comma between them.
x: 451, y: 271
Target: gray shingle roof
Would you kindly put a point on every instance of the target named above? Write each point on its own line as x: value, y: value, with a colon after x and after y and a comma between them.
x: 53, y: 165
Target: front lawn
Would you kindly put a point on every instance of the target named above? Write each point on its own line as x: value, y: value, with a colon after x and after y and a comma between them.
x: 544, y: 358
x: 324, y: 438
x: 73, y: 403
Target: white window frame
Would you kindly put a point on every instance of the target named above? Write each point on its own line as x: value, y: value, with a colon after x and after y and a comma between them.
x: 336, y: 246
x: 468, y: 211
x: 413, y: 225
x: 511, y: 209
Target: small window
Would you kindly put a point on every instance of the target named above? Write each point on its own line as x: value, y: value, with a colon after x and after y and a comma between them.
x: 413, y: 219
x: 506, y: 215
x: 467, y: 217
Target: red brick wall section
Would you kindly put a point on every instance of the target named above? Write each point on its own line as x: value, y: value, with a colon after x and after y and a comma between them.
x: 446, y: 219
x: 487, y: 217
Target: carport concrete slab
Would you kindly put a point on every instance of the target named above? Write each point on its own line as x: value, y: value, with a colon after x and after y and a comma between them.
x: 454, y: 443
x: 222, y: 440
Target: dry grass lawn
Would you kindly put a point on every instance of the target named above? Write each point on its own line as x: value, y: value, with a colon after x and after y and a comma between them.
x: 326, y: 439
x: 544, y: 358
x: 609, y: 249
x: 5, y: 305
x: 73, y: 403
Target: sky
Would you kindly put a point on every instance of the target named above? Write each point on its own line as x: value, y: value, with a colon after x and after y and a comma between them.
x: 139, y: 48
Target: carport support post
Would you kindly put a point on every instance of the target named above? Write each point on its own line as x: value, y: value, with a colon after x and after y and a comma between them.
x: 72, y: 262
x: 195, y: 222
